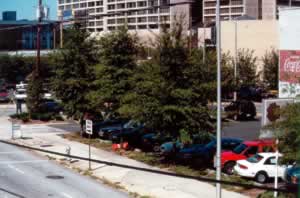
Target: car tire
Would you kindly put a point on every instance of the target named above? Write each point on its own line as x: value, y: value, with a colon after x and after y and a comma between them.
x: 228, y: 168
x: 261, y: 177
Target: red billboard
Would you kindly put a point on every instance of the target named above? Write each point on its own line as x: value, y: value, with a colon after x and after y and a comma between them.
x: 289, y: 66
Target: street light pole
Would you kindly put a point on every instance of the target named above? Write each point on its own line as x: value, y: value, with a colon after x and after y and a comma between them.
x: 218, y: 160
x: 235, y: 59
x: 38, y: 42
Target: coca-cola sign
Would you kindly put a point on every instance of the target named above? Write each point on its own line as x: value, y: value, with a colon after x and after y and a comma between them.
x: 290, y: 66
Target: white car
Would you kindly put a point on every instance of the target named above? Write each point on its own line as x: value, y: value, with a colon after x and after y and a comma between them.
x: 261, y: 166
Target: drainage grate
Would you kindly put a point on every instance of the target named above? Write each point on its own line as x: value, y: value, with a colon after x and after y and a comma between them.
x: 55, y: 177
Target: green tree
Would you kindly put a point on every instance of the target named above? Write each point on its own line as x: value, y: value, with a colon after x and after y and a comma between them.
x: 73, y: 71
x: 165, y: 96
x: 288, y: 132
x: 270, y: 71
x: 246, y: 68
x: 118, y: 53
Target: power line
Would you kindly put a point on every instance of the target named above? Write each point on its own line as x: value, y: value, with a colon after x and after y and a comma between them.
x: 204, y: 179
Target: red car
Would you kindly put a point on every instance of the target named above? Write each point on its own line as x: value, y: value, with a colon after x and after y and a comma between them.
x: 244, y: 151
x: 4, y: 96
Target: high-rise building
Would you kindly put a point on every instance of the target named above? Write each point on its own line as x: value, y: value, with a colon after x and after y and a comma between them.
x: 9, y: 15
x: 270, y: 7
x: 137, y: 14
x: 230, y: 9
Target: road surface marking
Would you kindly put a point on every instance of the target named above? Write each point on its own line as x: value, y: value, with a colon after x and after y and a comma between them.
x: 16, y: 169
x: 66, y: 195
x: 23, y: 162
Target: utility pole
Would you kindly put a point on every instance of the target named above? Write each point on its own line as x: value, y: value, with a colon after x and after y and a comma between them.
x: 38, y: 42
x: 219, y: 104
x: 235, y: 59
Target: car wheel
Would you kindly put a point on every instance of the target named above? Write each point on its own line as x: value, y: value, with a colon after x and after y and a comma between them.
x: 228, y: 168
x: 261, y: 177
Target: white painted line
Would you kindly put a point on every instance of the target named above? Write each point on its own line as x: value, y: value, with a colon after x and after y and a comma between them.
x: 23, y: 162
x: 66, y: 195
x: 16, y: 169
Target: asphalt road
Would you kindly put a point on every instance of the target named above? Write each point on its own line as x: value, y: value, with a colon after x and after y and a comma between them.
x: 24, y: 175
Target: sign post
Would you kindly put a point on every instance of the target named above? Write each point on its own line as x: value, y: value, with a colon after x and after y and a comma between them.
x: 89, y: 131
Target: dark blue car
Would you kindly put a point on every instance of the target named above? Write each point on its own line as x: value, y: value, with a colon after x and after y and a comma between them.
x: 106, y: 132
x: 200, y: 154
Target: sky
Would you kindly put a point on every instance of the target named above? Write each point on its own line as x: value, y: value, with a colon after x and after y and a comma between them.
x: 26, y: 8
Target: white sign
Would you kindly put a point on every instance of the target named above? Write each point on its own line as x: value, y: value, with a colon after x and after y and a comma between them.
x: 89, y: 127
x: 289, y: 52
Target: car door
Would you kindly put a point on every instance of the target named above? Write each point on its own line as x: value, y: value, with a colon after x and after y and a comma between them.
x: 270, y: 166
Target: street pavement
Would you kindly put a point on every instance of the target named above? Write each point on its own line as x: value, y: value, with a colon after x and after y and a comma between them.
x: 24, y: 175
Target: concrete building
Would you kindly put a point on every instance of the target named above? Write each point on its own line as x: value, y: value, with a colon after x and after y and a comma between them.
x: 270, y: 7
x: 230, y: 9
x: 137, y: 14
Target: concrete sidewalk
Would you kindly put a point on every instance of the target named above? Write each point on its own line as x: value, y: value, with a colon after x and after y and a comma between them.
x: 143, y: 183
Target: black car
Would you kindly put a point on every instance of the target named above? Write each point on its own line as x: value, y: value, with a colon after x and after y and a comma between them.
x: 52, y: 106
x: 106, y: 132
x: 100, y: 124
x: 200, y: 154
x: 241, y: 109
x: 131, y: 134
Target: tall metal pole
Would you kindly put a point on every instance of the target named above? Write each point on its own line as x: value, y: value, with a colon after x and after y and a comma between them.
x: 38, y: 42
x: 218, y: 167
x: 204, y: 45
x: 276, y: 172
x: 235, y: 59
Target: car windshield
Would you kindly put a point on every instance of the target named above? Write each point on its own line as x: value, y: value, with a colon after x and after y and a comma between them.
x: 211, y: 144
x: 255, y: 159
x: 239, y: 149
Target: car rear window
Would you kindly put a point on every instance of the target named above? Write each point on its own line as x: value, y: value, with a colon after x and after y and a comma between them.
x: 255, y: 159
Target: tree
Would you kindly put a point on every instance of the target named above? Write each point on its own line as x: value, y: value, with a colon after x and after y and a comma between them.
x: 270, y: 70
x: 246, y: 68
x: 288, y: 132
x: 165, y: 96
x: 117, y: 52
x: 73, y: 71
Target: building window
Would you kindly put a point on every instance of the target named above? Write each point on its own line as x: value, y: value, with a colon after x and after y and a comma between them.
x: 131, y: 20
x: 131, y: 13
x: 99, y: 23
x: 111, y: 21
x: 68, y: 7
x: 91, y: 11
x: 153, y: 18
x: 164, y: 18
x: 110, y: 1
x: 99, y: 29
x: 92, y: 23
x: 111, y: 7
x: 142, y: 27
x: 99, y: 3
x: 61, y: 1
x: 236, y: 10
x: 131, y: 27
x: 131, y: 5
x: 153, y: 3
x: 164, y: 10
x: 140, y: 12
x: 76, y: 5
x: 153, y: 11
x: 121, y: 6
x: 61, y: 7
x: 142, y: 19
x: 111, y: 28
x: 91, y: 4
x: 142, y: 3
x: 153, y: 26
x: 83, y: 5
x: 120, y: 21
x: 99, y: 10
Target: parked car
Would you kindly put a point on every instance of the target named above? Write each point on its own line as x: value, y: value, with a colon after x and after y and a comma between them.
x: 241, y: 109
x: 169, y: 149
x: 4, y: 96
x: 52, y: 106
x: 131, y: 135
x: 153, y: 141
x: 261, y: 166
x: 105, y: 133
x: 243, y: 151
x: 198, y: 154
x: 292, y: 177
x: 99, y: 124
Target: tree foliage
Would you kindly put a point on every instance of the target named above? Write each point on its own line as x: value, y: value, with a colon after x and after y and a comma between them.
x: 288, y: 132
x: 246, y: 68
x: 270, y: 71
x: 165, y: 95
x: 73, y: 69
x: 117, y: 57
